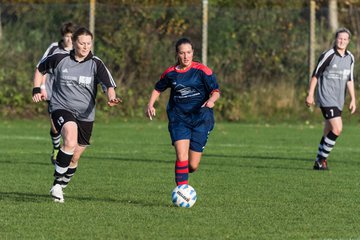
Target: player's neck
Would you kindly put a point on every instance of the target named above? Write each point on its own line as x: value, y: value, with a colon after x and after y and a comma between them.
x: 182, y: 67
x: 341, y: 51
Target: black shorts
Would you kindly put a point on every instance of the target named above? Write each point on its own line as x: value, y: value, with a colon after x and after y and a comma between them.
x: 60, y: 117
x: 330, y: 112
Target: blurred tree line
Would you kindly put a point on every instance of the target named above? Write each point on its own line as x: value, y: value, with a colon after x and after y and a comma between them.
x: 258, y: 49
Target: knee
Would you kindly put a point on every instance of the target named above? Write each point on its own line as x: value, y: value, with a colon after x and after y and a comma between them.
x: 337, y: 131
x: 74, y: 161
x: 181, y: 156
x: 192, y: 169
x: 69, y: 146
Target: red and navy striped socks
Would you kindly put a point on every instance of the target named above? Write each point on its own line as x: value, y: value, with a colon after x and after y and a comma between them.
x: 181, y: 172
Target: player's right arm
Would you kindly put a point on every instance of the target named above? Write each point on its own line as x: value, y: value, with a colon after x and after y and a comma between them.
x: 160, y: 86
x: 37, y: 95
x: 45, y: 66
x: 151, y: 111
x: 310, y: 97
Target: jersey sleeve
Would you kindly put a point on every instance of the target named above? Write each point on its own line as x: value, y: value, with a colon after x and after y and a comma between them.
x: 164, y: 81
x: 351, y: 77
x: 210, y: 81
x: 48, y: 64
x: 103, y: 75
x: 50, y: 50
x: 324, y: 61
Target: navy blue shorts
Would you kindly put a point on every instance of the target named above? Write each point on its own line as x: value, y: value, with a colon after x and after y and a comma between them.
x: 195, y: 127
x: 60, y: 117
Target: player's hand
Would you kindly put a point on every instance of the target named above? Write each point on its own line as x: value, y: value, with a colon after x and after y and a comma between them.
x: 352, y: 107
x: 150, y: 112
x: 309, y: 101
x: 44, y: 93
x: 208, y: 104
x: 114, y: 102
x: 37, y: 95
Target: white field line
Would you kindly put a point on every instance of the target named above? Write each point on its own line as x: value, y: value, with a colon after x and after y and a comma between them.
x: 278, y: 147
x: 14, y: 137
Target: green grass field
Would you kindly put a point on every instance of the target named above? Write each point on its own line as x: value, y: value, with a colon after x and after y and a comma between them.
x: 254, y: 182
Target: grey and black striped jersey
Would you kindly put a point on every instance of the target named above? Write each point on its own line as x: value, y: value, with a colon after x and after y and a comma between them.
x: 54, y: 47
x: 75, y: 83
x: 333, y: 71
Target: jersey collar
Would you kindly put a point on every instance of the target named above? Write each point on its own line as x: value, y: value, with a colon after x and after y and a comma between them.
x: 88, y: 57
x: 184, y: 70
x: 337, y: 53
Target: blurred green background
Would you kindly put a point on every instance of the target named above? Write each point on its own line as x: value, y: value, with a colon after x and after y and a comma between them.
x: 258, y: 49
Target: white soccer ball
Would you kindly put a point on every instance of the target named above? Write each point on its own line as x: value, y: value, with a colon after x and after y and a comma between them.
x: 184, y: 196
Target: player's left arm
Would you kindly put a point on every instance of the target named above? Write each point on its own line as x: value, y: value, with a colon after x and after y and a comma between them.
x: 351, y: 90
x: 213, y: 87
x: 210, y: 103
x: 350, y: 86
x: 112, y: 99
x: 107, y: 82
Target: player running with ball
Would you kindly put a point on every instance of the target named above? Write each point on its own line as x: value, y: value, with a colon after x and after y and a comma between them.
x: 194, y: 91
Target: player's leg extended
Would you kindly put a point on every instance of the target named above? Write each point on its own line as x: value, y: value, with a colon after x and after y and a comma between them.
x: 69, y: 134
x: 199, y: 137
x: 334, y: 125
x: 194, y: 160
x: 73, y: 166
x: 181, y: 165
x: 198, y: 142
x: 332, y: 129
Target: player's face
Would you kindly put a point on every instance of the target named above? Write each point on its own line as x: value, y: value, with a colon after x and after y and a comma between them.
x: 342, y: 41
x: 67, y: 40
x: 83, y: 45
x: 185, y: 55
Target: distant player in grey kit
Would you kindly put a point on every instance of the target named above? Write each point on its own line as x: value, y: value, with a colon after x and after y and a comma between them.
x: 65, y: 44
x: 332, y: 75
x: 76, y: 76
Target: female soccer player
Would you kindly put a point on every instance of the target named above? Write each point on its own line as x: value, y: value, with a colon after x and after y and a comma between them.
x: 333, y: 73
x: 65, y: 44
x: 76, y: 76
x: 194, y: 91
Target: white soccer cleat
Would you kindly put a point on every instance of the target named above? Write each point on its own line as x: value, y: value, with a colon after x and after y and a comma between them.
x: 57, y: 193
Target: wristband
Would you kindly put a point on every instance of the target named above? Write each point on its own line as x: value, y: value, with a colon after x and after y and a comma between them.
x: 36, y: 90
x: 42, y: 86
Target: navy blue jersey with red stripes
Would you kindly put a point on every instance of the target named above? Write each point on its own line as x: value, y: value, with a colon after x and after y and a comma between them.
x: 190, y: 88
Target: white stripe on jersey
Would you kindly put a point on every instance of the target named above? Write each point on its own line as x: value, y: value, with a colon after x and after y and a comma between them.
x: 327, y: 54
x: 54, y: 44
x: 108, y: 72
x: 352, y: 66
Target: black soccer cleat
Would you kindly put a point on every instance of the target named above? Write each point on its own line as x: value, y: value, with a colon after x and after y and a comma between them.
x: 321, y: 164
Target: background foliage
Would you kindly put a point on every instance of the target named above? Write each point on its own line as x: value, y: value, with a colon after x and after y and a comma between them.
x: 258, y: 49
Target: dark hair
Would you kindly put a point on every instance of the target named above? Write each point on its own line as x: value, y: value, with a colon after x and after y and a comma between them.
x: 183, y: 41
x: 67, y: 27
x: 177, y: 45
x: 342, y: 30
x: 81, y: 31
